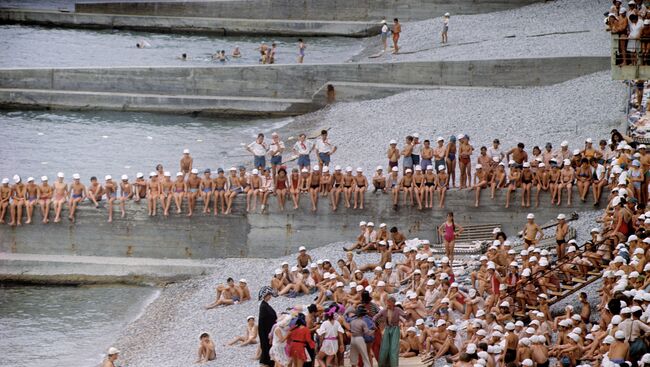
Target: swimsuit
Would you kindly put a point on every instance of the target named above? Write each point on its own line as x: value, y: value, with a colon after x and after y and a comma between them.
x: 194, y: 190
x: 206, y: 189
x: 449, y: 232
x: 76, y: 196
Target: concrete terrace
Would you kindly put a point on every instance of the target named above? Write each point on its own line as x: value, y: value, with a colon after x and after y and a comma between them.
x: 267, y: 90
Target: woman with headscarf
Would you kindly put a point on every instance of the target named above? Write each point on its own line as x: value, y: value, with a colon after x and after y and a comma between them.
x: 266, y: 320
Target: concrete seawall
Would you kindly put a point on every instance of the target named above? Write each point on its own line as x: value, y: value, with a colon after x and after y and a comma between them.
x: 253, y: 235
x: 178, y: 24
x: 267, y: 89
x: 305, y: 9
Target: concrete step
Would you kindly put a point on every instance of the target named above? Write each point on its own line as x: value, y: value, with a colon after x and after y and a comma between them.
x: 176, y: 24
x: 218, y: 105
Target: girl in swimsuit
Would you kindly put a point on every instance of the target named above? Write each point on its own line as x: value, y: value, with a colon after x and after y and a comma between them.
x: 498, y: 179
x: 281, y: 185
x: 234, y: 188
x: 337, y: 187
x: 429, y: 186
x: 301, y: 50
x: 314, y: 186
x: 567, y: 175
x: 325, y: 182
x: 450, y: 159
x: 179, y: 187
x: 219, y: 185
x: 583, y: 179
x: 45, y: 199
x: 295, y: 187
x: 554, y: 182
x: 464, y: 162
x: 360, y: 183
x: 449, y: 231
x: 266, y: 189
x: 527, y: 177
x: 418, y: 186
x: 442, y: 184
x: 406, y: 186
x: 153, y: 194
x: 206, y: 191
x: 165, y: 197
x: 347, y: 186
x: 126, y: 193
x: 514, y: 181
x: 392, y: 182
x: 253, y: 192
x: 541, y: 181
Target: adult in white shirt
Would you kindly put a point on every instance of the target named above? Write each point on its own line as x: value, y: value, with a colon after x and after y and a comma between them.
x: 276, y: 148
x: 495, y: 150
x: 324, y: 149
x: 302, y: 149
x: 258, y: 148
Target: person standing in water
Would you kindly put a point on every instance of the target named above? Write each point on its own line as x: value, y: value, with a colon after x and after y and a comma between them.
x: 301, y: 50
x: 449, y: 231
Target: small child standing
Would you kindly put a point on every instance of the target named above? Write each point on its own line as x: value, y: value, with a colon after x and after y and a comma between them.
x: 445, y: 28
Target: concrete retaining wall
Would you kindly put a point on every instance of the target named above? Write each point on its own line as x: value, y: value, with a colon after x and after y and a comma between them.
x: 306, y: 9
x: 253, y: 235
x: 300, y: 80
x: 66, y: 269
x: 176, y: 24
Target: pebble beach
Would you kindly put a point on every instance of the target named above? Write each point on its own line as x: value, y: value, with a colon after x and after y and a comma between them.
x: 168, y: 331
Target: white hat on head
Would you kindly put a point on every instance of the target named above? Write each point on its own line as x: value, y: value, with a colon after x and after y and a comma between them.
x: 392, y: 141
x: 619, y: 334
x: 505, y: 304
x: 530, y: 216
x: 108, y: 177
x: 527, y: 362
x: 302, y: 248
x: 113, y: 351
x: 43, y: 178
x: 388, y: 265
x: 316, y: 168
x: 255, y: 171
x: 337, y: 168
x: 609, y: 339
x: 60, y: 175
x: 186, y: 151
x: 471, y: 348
x: 179, y: 174
x: 496, y: 230
x: 6, y: 180
x: 379, y: 168
x: 480, y: 313
x: 452, y: 328
x: 30, y: 179
x: 195, y: 171
x: 348, y: 169
x: 370, y: 224
x: 510, y: 326
x: 561, y: 216
x: 441, y: 167
x: 139, y: 175
x: 124, y: 177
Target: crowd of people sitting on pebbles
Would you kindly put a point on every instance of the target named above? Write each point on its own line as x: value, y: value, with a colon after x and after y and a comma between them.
x: 411, y: 303
x: 426, y: 173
